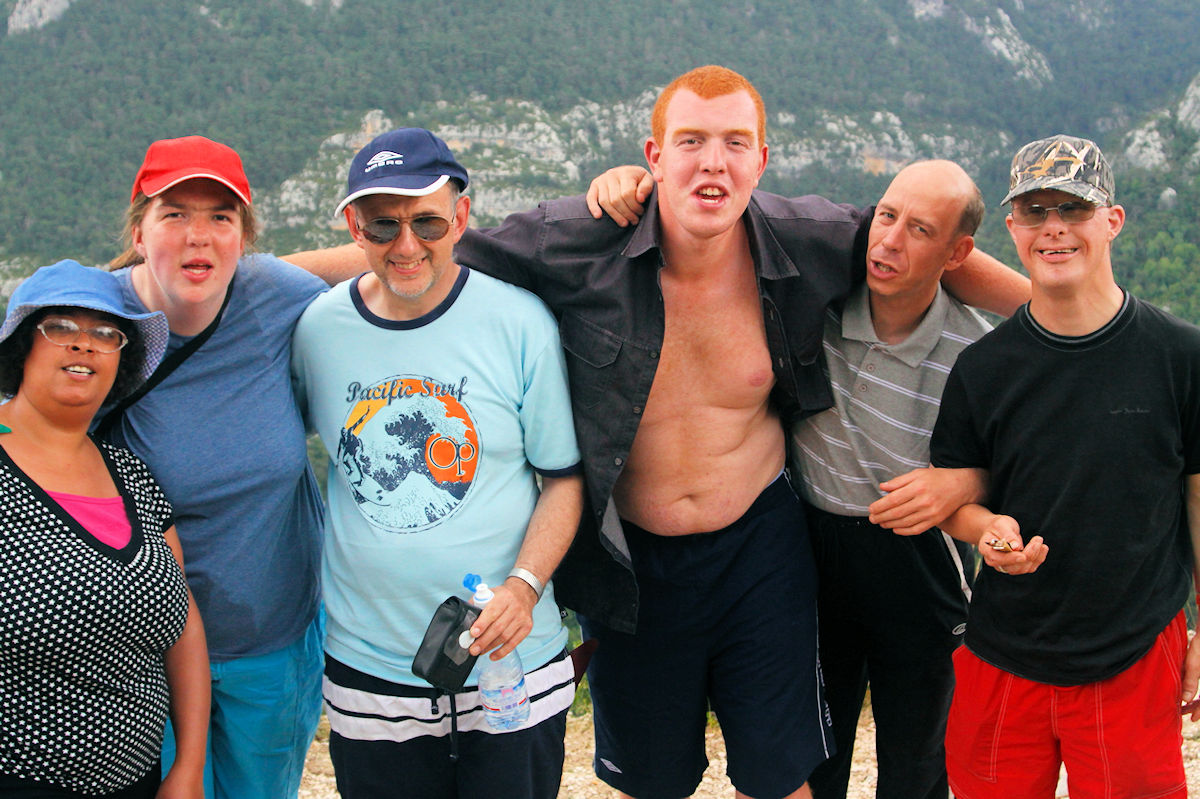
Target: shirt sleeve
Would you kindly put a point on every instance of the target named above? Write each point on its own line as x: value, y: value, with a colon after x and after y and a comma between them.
x: 281, y: 289
x: 546, y: 420
x: 298, y: 374
x: 956, y: 443
x: 159, y: 505
x: 507, y: 252
x: 1190, y: 400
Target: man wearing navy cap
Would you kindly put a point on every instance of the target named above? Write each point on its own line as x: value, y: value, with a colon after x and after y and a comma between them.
x: 440, y: 395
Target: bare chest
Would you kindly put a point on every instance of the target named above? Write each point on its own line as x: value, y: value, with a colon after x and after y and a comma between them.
x: 714, y: 345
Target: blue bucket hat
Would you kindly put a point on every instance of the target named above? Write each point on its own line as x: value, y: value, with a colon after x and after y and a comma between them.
x: 410, y: 162
x: 72, y: 285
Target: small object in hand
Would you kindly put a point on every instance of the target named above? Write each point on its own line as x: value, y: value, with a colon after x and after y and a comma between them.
x: 4, y: 429
x: 1000, y: 545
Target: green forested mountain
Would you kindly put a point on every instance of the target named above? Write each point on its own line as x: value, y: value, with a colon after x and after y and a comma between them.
x: 540, y: 94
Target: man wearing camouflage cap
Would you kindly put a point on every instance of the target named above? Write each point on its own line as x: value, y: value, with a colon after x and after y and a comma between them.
x: 1085, y: 409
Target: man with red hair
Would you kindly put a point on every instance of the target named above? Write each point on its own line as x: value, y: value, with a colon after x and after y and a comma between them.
x: 707, y: 82
x: 689, y: 338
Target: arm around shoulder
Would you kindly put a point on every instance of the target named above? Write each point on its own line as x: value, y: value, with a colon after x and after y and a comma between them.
x: 333, y: 264
x: 986, y: 283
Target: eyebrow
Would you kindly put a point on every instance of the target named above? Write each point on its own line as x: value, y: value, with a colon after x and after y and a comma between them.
x: 224, y: 206
x: 422, y: 207
x: 698, y: 132
x: 931, y: 227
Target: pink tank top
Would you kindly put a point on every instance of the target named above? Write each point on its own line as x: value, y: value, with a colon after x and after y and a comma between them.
x: 103, y: 517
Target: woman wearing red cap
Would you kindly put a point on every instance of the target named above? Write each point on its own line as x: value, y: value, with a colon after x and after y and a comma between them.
x: 220, y: 428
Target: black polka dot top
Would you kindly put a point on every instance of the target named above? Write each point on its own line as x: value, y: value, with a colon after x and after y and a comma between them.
x: 83, y: 631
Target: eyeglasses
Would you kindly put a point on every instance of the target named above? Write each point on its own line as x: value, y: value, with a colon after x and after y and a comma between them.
x: 1069, y: 212
x: 386, y: 228
x: 64, y: 333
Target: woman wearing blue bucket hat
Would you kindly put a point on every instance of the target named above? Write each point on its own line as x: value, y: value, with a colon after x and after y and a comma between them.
x: 98, y: 632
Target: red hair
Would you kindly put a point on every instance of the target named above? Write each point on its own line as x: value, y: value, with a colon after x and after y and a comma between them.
x: 707, y: 82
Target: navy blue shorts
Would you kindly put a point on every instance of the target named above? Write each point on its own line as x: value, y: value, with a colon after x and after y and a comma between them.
x: 524, y: 764
x: 893, y: 608
x: 726, y: 619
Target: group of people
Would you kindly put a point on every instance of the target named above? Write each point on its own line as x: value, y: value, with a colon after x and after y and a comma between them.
x: 757, y: 442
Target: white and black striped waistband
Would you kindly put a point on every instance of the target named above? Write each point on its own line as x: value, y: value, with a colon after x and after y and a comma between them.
x: 366, y: 708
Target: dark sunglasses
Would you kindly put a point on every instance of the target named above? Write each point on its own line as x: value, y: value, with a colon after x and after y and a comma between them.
x: 1069, y: 212
x: 386, y: 228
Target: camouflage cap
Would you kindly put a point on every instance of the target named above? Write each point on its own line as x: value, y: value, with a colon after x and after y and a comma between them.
x: 1065, y: 163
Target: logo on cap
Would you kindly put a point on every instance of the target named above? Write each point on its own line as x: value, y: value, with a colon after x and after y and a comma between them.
x: 384, y: 158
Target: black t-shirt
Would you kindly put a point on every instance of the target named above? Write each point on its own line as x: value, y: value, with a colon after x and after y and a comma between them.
x: 1087, y: 441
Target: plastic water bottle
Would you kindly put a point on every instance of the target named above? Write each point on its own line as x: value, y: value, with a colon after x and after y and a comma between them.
x: 501, y: 682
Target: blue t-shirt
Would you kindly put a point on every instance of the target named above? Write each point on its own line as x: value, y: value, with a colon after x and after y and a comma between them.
x: 224, y: 437
x: 435, y: 427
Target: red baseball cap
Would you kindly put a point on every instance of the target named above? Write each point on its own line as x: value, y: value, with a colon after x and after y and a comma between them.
x: 172, y: 161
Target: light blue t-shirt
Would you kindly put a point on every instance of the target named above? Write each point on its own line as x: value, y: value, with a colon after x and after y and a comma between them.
x: 224, y: 437
x: 435, y: 428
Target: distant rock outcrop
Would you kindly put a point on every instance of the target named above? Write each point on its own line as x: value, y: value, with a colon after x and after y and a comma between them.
x: 1001, y: 37
x: 1155, y: 143
x: 32, y: 14
x: 997, y: 32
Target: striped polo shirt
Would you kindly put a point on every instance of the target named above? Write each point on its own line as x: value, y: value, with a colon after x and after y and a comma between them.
x: 886, y: 400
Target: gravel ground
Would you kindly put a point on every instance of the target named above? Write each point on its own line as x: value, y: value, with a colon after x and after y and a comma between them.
x: 580, y: 783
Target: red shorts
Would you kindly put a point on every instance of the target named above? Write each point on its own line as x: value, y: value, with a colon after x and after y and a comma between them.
x: 1122, y: 737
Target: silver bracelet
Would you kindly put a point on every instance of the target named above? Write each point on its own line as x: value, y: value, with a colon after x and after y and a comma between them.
x: 530, y: 578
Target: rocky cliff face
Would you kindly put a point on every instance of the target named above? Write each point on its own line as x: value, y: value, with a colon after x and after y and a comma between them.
x: 518, y: 154
x: 30, y: 14
x: 994, y: 27
x: 1157, y: 142
x: 1000, y: 37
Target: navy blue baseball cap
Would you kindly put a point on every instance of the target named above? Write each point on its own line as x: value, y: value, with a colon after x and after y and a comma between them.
x: 410, y: 162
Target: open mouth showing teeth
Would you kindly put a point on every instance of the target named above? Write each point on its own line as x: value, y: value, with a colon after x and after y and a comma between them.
x: 79, y: 370
x: 711, y: 193
x: 884, y: 268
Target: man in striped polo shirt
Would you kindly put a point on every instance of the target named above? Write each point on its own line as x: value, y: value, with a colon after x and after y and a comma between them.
x: 893, y: 607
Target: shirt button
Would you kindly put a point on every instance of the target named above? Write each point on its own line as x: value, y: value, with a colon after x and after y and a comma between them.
x: 618, y: 461
x: 637, y: 410
x: 862, y: 388
x: 870, y: 367
x: 654, y: 354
